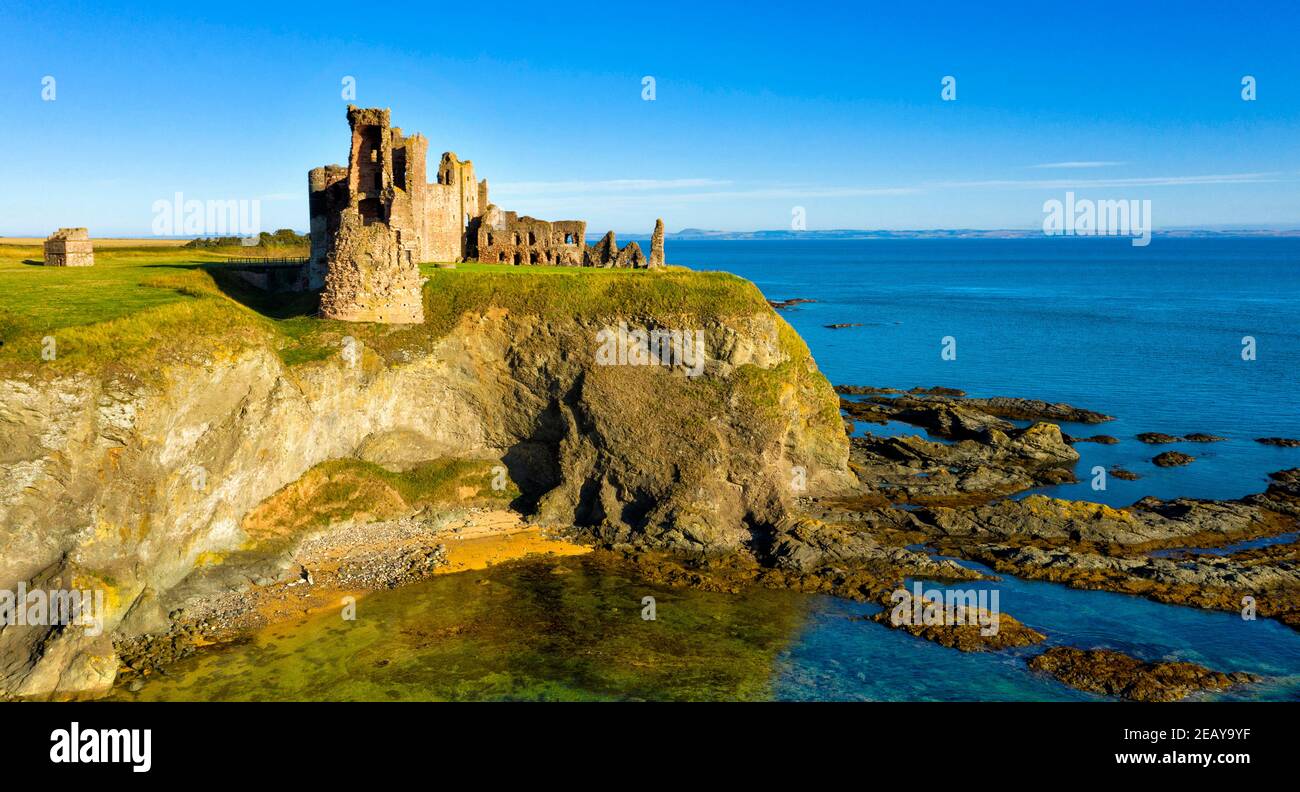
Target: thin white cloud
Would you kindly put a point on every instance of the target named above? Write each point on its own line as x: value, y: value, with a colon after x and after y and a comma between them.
x: 1077, y: 164
x: 1145, y: 181
x: 580, y: 204
x: 676, y: 191
x: 608, y: 185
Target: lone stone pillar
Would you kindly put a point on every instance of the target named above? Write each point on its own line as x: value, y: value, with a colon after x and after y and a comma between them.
x: 657, y: 245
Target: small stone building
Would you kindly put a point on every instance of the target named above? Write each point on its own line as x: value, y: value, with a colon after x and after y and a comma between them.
x: 69, y: 247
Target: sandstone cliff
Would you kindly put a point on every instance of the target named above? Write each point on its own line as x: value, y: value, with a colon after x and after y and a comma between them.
x: 125, y: 477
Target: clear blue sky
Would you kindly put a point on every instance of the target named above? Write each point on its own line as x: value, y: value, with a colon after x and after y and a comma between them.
x: 760, y: 107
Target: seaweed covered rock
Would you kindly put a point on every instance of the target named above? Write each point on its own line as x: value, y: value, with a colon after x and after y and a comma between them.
x: 1116, y: 674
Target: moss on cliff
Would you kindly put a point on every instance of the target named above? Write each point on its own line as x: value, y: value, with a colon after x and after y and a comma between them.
x: 351, y: 489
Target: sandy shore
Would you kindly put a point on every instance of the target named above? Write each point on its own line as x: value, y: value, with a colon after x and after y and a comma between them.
x: 348, y: 561
x: 339, y: 566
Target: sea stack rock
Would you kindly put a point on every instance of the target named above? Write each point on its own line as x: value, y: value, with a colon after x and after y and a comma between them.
x: 657, y: 245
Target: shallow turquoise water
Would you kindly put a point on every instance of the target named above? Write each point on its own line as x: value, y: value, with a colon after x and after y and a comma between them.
x: 1150, y: 335
x: 572, y: 629
x: 836, y: 657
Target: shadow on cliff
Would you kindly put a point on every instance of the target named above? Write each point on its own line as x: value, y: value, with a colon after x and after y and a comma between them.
x: 553, y: 456
x: 533, y: 464
x: 271, y: 304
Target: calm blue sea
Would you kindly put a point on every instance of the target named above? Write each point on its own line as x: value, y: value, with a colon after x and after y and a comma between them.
x: 1150, y: 335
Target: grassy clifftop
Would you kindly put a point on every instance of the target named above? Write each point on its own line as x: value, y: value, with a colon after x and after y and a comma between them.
x: 139, y: 308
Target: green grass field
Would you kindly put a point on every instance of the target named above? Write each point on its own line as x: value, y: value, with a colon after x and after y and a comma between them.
x: 142, y: 307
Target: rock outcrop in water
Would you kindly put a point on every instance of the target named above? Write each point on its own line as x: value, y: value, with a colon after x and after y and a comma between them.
x: 957, y: 486
x: 943, y: 410
x: 1094, y: 546
x: 1172, y: 459
x: 967, y: 630
x: 1116, y: 674
x: 989, y: 463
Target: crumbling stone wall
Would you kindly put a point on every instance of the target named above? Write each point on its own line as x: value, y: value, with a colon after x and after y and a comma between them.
x: 631, y: 257
x: 327, y: 197
x: 69, y: 247
x: 506, y: 238
x: 606, y: 253
x: 452, y: 207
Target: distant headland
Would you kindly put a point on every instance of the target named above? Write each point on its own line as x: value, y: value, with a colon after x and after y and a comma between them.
x: 958, y: 233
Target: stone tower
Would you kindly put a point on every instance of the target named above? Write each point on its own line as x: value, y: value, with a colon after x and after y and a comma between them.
x: 372, y: 252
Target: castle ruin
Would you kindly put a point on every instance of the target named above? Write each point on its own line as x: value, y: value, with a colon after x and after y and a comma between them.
x: 69, y: 247
x: 375, y: 221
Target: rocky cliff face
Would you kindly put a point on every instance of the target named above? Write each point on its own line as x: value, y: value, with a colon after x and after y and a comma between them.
x: 124, y: 484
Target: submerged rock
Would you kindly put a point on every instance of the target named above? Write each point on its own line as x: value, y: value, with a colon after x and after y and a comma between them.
x: 1093, y: 546
x: 937, y: 390
x: 946, y: 413
x: 1159, y: 438
x: 1100, y: 439
x: 1036, y: 410
x: 966, y: 628
x: 1281, y: 442
x: 1156, y: 438
x: 782, y: 304
x: 1113, y: 673
x: 1172, y: 459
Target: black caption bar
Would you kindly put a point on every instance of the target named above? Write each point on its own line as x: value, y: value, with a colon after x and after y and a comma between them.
x: 302, y: 742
